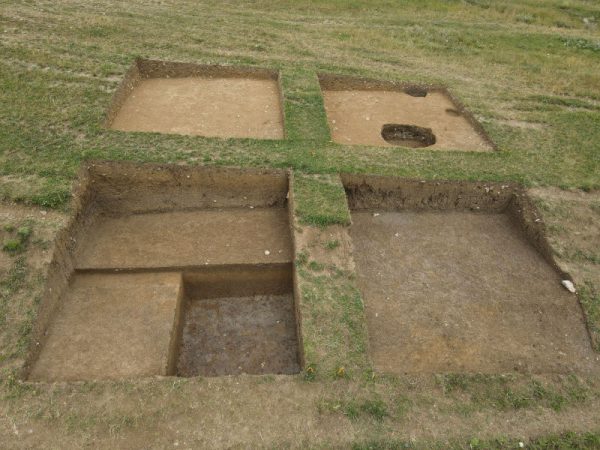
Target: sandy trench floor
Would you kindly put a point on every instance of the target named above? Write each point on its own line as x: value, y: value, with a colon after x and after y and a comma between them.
x: 356, y: 118
x: 220, y: 107
x: 464, y: 292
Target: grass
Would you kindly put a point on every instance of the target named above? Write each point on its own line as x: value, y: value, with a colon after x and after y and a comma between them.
x: 565, y: 441
x: 57, y: 85
x: 523, y: 68
x: 321, y: 200
x: 18, y: 243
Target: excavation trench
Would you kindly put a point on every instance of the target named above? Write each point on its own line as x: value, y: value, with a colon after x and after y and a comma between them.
x: 458, y: 277
x: 173, y: 271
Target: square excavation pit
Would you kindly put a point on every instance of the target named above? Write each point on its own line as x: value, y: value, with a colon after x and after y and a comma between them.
x: 190, y: 99
x: 112, y: 326
x: 148, y: 242
x: 380, y: 113
x: 239, y: 320
x: 458, y: 277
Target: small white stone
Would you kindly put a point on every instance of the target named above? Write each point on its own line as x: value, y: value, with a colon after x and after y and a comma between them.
x: 267, y: 252
x: 521, y: 444
x: 569, y: 286
x: 375, y: 214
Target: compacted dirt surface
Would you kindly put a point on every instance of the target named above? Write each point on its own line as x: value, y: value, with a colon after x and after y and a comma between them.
x: 357, y: 117
x: 233, y: 335
x: 188, y: 238
x: 464, y: 292
x: 220, y: 107
x: 111, y: 326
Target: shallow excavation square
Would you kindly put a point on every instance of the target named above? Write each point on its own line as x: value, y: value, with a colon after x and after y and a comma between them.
x: 453, y: 283
x: 170, y: 271
x: 369, y: 112
x: 190, y: 99
x: 240, y: 320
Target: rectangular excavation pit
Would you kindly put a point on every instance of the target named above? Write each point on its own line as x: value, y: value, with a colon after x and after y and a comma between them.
x: 140, y: 237
x: 202, y: 100
x: 239, y: 320
x: 458, y: 277
x: 384, y: 113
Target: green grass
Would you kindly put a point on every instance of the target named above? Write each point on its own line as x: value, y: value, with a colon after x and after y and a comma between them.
x: 320, y: 200
x: 565, y: 441
x: 61, y: 64
x: 17, y: 243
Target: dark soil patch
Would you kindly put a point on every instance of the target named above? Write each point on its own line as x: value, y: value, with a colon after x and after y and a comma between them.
x: 407, y: 135
x: 239, y: 322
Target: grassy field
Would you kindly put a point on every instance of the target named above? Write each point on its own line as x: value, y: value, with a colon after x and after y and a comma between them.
x: 529, y: 72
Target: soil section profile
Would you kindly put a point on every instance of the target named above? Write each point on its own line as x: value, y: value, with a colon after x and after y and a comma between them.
x: 199, y: 100
x: 359, y: 110
x: 452, y: 282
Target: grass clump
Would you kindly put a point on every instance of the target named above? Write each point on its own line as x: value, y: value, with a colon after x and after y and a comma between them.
x: 18, y: 243
x: 332, y: 245
x: 374, y: 408
x: 320, y: 200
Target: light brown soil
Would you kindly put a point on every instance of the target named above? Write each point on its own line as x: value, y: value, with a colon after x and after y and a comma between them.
x: 220, y: 107
x: 464, y: 292
x: 112, y: 326
x: 187, y: 239
x: 356, y: 117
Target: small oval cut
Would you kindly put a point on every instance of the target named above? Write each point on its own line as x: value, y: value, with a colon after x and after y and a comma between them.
x: 407, y: 135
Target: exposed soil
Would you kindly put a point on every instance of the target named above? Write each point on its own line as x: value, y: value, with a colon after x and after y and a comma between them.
x: 356, y: 117
x: 193, y: 99
x: 464, y: 292
x: 111, y: 326
x: 459, y: 277
x: 95, y: 324
x: 228, y: 107
x: 234, y: 335
x: 187, y: 239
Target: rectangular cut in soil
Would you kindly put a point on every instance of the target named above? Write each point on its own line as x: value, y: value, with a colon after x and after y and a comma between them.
x: 199, y: 100
x: 114, y: 300
x: 112, y: 326
x: 188, y: 239
x: 452, y: 283
x: 237, y: 321
x: 357, y: 111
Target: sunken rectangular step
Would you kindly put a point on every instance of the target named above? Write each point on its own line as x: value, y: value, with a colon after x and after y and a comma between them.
x: 112, y: 326
x: 193, y: 99
x: 239, y: 320
x: 371, y: 112
x: 456, y: 278
x: 187, y: 239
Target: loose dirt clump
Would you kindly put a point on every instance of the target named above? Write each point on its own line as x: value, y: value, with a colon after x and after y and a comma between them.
x: 149, y: 250
x: 357, y: 109
x: 457, y: 277
x: 198, y: 100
